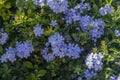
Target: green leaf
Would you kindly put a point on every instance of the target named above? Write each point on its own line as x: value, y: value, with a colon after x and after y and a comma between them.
x: 41, y: 73
x: 111, y: 1
x: 95, y: 8
x: 49, y: 31
x: 29, y: 11
x: 32, y: 76
x: 27, y: 64
x: 104, y: 47
x: 1, y: 49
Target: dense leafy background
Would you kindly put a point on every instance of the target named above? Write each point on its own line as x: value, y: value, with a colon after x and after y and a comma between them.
x: 18, y: 19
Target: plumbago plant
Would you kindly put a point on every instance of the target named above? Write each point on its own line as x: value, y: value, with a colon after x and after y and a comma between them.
x: 59, y: 40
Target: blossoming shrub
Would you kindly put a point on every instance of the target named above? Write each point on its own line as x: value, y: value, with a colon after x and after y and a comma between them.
x: 59, y: 40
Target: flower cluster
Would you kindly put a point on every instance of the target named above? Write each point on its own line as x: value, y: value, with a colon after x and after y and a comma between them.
x: 94, y: 61
x: 74, y: 14
x: 9, y: 55
x: 58, y: 6
x: 82, y: 6
x: 89, y: 74
x: 3, y: 37
x: 79, y: 78
x: 114, y: 77
x: 70, y: 16
x: 105, y: 10
x: 38, y: 31
x: 60, y: 49
x: 85, y: 21
x: 39, y: 2
x: 95, y: 28
x: 117, y: 33
x: 73, y: 51
x: 21, y: 50
x: 98, y: 29
x: 53, y: 23
x: 47, y: 56
x: 24, y: 49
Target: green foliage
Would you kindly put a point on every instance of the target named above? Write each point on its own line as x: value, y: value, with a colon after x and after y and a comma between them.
x: 27, y: 64
x: 18, y: 20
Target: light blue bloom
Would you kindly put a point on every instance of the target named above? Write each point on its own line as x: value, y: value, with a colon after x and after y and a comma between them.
x: 3, y: 38
x: 39, y: 2
x: 82, y: 6
x: 76, y: 17
x: 98, y: 29
x: 118, y: 78
x: 79, y: 78
x: 58, y: 6
x: 23, y: 49
x: 105, y: 10
x: 113, y: 77
x: 56, y: 42
x: 47, y: 56
x: 94, y: 61
x: 38, y: 31
x: 117, y: 33
x: 74, y: 14
x: 89, y: 74
x: 57, y: 45
x: 60, y: 49
x: 9, y: 55
x: 73, y: 51
x: 85, y: 21
x: 69, y: 16
x: 53, y: 23
x: 56, y: 39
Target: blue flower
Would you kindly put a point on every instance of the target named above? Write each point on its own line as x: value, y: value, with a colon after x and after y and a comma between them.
x: 79, y: 78
x: 69, y: 16
x: 89, y: 74
x: 118, y: 78
x: 113, y: 77
x: 76, y: 17
x: 85, y: 21
x: 73, y: 51
x: 74, y: 14
x: 55, y: 39
x: 94, y: 61
x: 23, y: 49
x: 58, y: 6
x: 9, y: 55
x: 3, y: 38
x: 82, y: 6
x: 39, y: 2
x: 105, y: 10
x: 98, y: 29
x: 117, y: 33
x: 38, y: 31
x: 53, y: 23
x: 47, y: 56
x: 57, y: 44
x: 60, y: 49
